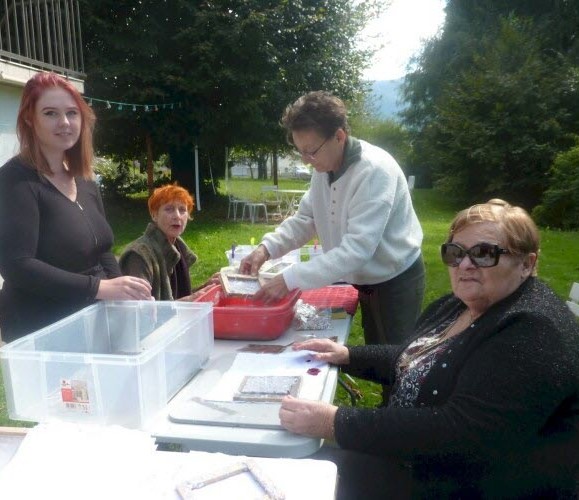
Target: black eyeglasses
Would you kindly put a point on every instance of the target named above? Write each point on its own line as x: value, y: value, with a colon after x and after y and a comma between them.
x: 481, y: 255
x: 313, y: 154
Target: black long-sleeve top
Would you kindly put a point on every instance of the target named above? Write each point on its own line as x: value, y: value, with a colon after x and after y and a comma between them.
x: 53, y: 251
x: 499, y: 409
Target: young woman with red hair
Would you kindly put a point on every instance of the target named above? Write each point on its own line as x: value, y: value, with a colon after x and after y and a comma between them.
x: 55, y: 243
x: 160, y: 255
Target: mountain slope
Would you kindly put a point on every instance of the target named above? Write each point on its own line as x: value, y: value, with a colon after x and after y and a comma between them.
x: 384, y: 98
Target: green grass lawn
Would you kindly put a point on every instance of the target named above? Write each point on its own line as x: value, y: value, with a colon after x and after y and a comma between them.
x: 210, y: 234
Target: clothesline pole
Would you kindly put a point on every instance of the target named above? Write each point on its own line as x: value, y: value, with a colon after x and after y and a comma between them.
x: 197, y: 197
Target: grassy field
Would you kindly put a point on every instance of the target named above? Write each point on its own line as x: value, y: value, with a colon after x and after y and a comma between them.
x: 210, y: 234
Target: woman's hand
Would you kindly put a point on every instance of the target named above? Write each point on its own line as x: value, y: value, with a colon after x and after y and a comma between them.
x: 214, y: 280
x: 272, y: 290
x: 253, y: 262
x: 124, y: 288
x: 198, y: 293
x: 308, y: 418
x: 326, y: 350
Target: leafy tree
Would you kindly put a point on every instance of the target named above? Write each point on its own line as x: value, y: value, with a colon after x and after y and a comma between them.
x: 560, y: 204
x: 232, y: 65
x: 501, y: 121
x: 387, y: 134
x: 494, y: 97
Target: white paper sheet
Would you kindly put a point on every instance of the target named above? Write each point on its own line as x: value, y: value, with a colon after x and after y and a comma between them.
x: 78, y: 461
x: 285, y: 363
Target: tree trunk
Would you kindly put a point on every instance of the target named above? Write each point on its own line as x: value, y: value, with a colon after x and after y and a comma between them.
x: 262, y: 166
x: 274, y: 167
x: 150, y: 179
x: 183, y: 167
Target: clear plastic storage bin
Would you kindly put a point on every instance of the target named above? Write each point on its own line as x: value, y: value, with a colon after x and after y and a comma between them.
x: 110, y: 363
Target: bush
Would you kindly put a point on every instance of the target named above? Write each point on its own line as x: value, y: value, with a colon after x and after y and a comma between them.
x: 119, y: 180
x: 560, y: 204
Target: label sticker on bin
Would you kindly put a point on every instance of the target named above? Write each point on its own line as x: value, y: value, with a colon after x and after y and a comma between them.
x: 74, y: 394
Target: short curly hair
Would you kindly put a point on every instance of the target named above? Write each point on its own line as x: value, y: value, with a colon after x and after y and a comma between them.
x: 168, y: 193
x: 318, y: 110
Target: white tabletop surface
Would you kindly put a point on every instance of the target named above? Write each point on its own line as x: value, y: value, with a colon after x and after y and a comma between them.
x: 75, y: 461
x: 238, y: 440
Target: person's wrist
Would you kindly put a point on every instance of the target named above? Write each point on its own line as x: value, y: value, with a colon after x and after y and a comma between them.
x: 265, y: 251
x: 330, y: 429
x: 346, y: 360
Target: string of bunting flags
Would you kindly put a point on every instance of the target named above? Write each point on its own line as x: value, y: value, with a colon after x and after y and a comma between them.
x: 121, y: 106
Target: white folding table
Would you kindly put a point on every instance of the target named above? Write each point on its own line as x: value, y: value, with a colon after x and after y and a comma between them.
x: 258, y: 442
x: 291, y: 198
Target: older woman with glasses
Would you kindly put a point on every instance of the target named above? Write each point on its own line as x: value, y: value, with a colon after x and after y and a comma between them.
x: 360, y: 207
x: 485, y: 397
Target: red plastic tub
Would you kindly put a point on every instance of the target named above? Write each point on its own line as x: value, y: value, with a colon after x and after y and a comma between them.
x: 241, y: 318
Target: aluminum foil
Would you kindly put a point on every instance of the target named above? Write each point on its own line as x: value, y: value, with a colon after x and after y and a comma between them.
x: 309, y: 317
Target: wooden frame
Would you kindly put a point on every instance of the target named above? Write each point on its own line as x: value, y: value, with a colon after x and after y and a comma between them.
x: 187, y: 488
x: 234, y: 283
x: 271, y: 270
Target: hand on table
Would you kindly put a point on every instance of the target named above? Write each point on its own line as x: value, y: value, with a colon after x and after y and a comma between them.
x: 325, y: 350
x: 124, y: 288
x: 308, y: 418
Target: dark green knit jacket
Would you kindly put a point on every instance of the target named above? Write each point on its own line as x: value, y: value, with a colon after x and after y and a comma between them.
x: 153, y: 258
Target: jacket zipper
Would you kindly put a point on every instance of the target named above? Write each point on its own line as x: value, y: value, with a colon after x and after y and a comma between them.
x: 88, y: 224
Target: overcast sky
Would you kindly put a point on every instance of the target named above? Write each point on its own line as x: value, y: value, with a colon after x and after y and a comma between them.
x: 401, y: 30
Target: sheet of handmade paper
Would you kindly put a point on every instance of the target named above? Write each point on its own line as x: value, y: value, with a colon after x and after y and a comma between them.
x: 297, y: 363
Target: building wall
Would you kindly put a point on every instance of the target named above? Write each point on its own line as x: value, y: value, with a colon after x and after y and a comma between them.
x: 9, y: 102
x: 13, y: 77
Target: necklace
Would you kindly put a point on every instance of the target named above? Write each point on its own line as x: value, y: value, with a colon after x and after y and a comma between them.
x: 435, y: 341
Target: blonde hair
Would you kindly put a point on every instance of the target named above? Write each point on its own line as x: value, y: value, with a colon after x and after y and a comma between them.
x: 521, y: 235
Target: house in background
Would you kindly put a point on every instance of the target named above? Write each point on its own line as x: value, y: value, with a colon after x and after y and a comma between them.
x: 35, y: 35
x: 289, y: 166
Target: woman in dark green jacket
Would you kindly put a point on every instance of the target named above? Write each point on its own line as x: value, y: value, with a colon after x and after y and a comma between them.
x: 160, y: 256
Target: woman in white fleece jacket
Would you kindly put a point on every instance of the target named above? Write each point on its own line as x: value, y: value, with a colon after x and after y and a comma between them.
x: 360, y: 207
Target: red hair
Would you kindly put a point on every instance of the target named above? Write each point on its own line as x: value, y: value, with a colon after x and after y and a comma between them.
x: 168, y: 193
x: 79, y: 158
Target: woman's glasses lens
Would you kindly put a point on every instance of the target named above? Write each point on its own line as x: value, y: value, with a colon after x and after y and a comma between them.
x: 482, y: 255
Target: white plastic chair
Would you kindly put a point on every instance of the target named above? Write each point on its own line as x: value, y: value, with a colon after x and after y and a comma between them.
x: 271, y: 197
x: 252, y: 211
x: 573, y: 302
x: 233, y: 204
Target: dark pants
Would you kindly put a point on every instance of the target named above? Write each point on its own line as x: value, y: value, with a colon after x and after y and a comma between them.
x: 390, y: 309
x: 366, y: 476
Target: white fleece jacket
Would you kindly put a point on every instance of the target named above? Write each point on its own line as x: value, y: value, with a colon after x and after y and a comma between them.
x: 365, y: 221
